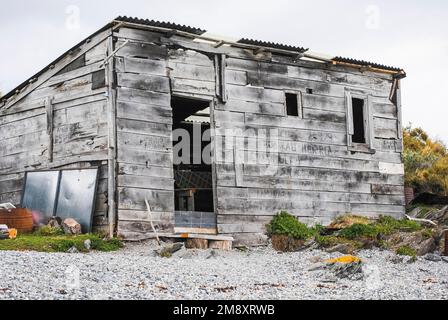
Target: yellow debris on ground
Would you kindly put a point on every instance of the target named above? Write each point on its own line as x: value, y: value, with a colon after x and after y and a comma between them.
x: 12, y: 233
x: 344, y: 259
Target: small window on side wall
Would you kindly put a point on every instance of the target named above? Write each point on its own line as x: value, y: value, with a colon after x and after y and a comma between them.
x: 359, y: 132
x: 293, y: 104
x: 359, y: 122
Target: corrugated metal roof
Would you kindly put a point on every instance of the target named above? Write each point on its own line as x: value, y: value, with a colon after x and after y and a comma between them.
x: 366, y: 63
x: 161, y: 24
x: 272, y: 45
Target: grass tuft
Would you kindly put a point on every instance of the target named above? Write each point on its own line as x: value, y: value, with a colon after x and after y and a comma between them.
x: 46, y: 240
x: 406, y: 251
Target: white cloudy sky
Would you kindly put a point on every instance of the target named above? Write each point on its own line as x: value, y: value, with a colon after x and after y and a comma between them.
x: 410, y: 34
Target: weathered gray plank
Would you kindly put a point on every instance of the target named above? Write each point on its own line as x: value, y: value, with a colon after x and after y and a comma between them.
x: 71, y: 75
x: 385, y: 128
x: 191, y: 71
x: 193, y: 86
x: 138, y: 111
x: 144, y: 82
x: 273, y: 81
x: 152, y: 171
x: 140, y: 96
x: 138, y: 35
x: 144, y: 127
x: 321, y: 102
x: 144, y: 182
x: 142, y: 50
x: 141, y: 66
x: 294, y: 184
x: 325, y: 115
x: 253, y: 107
x: 296, y: 123
x: 134, y: 199
x: 144, y: 142
x: 147, y: 158
x: 255, y: 94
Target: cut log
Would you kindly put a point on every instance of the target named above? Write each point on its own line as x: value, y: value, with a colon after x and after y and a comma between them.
x: 197, y: 244
x: 220, y: 245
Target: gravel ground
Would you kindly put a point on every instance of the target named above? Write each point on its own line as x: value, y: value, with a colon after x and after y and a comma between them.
x: 136, y: 273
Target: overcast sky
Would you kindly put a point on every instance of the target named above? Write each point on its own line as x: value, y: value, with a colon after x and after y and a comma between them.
x: 409, y: 34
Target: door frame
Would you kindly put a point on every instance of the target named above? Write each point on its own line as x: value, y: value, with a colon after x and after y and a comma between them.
x: 212, y: 101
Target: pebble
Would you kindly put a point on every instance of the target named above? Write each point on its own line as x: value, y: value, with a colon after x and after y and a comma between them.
x: 134, y: 273
x: 88, y: 244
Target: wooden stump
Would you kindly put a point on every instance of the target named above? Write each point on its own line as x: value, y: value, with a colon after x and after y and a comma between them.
x: 197, y: 244
x: 220, y: 245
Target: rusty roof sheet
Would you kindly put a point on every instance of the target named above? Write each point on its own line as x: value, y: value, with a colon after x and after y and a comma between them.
x: 161, y: 24
x: 272, y: 45
x: 366, y: 63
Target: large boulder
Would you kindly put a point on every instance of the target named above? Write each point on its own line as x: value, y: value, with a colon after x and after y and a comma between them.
x: 344, y: 267
x: 71, y: 226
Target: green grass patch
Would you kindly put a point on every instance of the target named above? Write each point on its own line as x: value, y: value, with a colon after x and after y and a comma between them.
x: 360, y: 232
x: 357, y: 231
x: 58, y: 243
x: 384, y: 225
x: 47, y: 231
x: 406, y: 251
x: 330, y: 241
x: 388, y: 225
x: 286, y: 224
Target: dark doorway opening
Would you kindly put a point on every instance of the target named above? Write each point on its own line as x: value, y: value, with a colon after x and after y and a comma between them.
x: 193, y: 186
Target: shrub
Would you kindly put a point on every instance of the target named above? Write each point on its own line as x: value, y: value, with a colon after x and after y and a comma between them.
x: 425, y: 161
x: 286, y: 224
x: 357, y: 231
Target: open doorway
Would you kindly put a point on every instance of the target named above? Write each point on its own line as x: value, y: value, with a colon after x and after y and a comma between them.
x: 193, y: 186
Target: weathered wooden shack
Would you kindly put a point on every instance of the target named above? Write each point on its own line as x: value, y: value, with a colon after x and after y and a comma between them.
x: 323, y: 133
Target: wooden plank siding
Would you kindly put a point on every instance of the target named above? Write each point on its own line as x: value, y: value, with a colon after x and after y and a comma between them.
x: 79, y: 129
x: 316, y: 177
x: 312, y: 173
x: 144, y: 128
